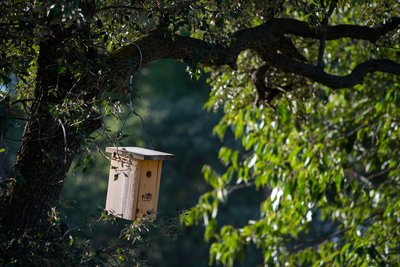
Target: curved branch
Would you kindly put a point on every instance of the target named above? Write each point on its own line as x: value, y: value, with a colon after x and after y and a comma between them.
x: 335, y: 82
x: 263, y: 39
x: 156, y: 45
x: 300, y: 28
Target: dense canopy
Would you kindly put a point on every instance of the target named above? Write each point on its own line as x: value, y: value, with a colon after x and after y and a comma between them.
x: 309, y: 88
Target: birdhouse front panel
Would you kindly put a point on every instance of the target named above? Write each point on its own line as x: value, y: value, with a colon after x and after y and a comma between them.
x: 149, y: 187
x: 134, y: 181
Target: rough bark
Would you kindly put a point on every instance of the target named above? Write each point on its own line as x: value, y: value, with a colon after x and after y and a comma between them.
x: 3, y: 162
x: 48, y: 146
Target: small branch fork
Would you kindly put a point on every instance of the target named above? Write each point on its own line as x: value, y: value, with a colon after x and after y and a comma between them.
x: 264, y: 94
x: 320, y: 241
x: 321, y: 50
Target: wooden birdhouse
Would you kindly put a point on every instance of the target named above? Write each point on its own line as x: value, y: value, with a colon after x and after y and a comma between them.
x: 134, y: 181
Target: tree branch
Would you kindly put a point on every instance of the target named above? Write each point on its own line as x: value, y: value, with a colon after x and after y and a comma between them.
x: 258, y: 77
x: 319, y: 241
x: 266, y: 94
x: 335, y: 82
x: 300, y: 28
x: 264, y: 40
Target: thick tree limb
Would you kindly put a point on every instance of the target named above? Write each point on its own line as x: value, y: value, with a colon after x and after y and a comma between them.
x: 299, y: 28
x: 335, y: 82
x: 263, y: 39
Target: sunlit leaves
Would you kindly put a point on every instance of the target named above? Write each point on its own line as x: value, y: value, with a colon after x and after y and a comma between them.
x: 329, y: 159
x: 229, y: 247
x: 312, y: 165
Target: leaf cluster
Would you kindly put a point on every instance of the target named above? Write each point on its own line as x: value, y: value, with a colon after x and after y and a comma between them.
x: 327, y: 160
x: 55, y: 245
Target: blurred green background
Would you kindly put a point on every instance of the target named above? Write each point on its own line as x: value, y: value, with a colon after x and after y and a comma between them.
x: 171, y: 105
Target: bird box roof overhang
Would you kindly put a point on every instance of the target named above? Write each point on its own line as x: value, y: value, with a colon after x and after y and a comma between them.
x: 140, y: 153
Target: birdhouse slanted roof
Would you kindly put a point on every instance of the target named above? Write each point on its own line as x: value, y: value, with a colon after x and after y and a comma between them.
x: 140, y: 153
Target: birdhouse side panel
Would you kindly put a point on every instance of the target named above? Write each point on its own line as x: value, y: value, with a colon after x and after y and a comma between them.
x: 115, y: 184
x: 131, y: 191
x: 123, y: 187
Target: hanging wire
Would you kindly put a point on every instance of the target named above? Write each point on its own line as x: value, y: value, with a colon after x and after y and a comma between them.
x: 132, y: 109
x: 140, y: 52
x: 144, y: 128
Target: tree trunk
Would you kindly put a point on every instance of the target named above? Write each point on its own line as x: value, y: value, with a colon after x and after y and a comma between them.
x: 48, y: 146
x: 3, y: 162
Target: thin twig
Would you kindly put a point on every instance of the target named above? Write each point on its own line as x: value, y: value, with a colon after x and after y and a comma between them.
x: 239, y: 186
x: 320, y: 241
x: 65, y: 140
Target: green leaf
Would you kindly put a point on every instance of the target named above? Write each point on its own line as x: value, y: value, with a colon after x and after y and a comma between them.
x: 69, y: 23
x: 283, y: 112
x: 338, y: 181
x: 343, y: 251
x: 378, y: 106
